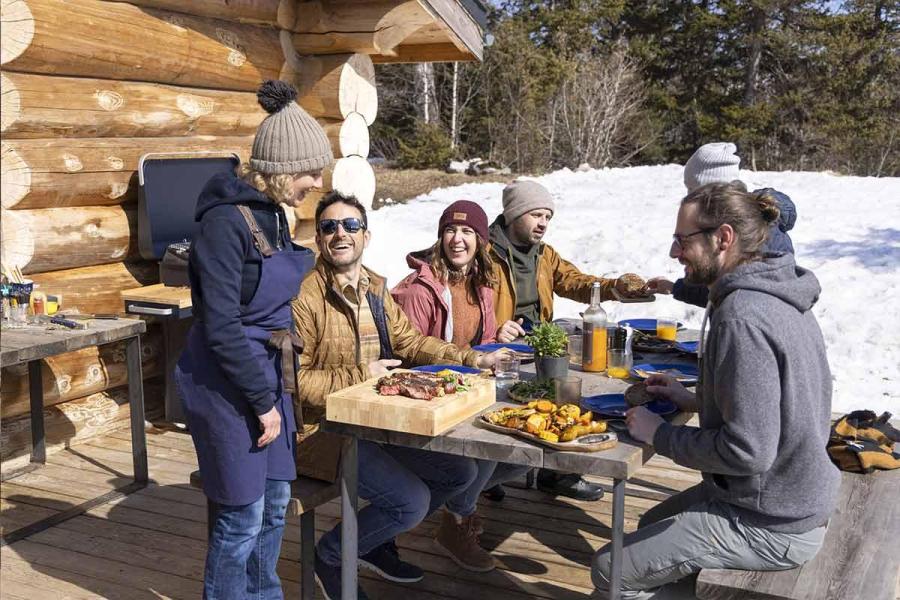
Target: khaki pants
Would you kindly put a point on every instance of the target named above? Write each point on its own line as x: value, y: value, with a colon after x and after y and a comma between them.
x: 689, y: 532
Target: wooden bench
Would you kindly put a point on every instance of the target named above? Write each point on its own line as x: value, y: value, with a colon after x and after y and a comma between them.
x: 859, y: 558
x: 306, y: 495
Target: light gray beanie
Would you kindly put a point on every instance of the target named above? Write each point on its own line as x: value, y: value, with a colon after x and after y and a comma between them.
x: 524, y: 196
x: 712, y: 163
x: 288, y: 140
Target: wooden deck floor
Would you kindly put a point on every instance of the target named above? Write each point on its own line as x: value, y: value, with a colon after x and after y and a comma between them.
x: 151, y: 544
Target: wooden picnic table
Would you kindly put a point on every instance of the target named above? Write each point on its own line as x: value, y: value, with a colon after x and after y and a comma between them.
x: 37, y: 341
x: 467, y: 439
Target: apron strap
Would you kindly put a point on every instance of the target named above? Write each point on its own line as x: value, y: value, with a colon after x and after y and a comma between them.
x: 259, y: 238
x: 291, y: 345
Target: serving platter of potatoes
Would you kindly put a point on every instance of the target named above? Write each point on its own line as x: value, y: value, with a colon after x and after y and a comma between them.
x: 564, y: 427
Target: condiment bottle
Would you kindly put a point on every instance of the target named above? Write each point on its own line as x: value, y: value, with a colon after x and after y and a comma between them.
x: 593, y: 349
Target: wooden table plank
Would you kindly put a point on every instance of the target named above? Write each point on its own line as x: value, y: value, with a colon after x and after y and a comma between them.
x: 159, y: 293
x: 34, y: 342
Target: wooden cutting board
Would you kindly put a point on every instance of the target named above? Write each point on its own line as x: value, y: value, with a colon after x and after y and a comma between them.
x: 362, y: 405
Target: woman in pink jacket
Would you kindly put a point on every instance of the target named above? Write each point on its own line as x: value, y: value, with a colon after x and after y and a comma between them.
x: 449, y: 296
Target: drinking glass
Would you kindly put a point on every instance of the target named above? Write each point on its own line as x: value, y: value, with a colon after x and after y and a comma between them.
x: 506, y: 370
x: 667, y: 329
x: 618, y: 364
x: 568, y: 390
x: 18, y: 316
x: 575, y: 349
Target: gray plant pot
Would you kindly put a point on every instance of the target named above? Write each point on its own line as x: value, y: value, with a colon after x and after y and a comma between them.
x: 551, y: 367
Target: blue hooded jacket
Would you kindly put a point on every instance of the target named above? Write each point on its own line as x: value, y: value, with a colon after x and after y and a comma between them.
x: 778, y: 243
x: 224, y: 270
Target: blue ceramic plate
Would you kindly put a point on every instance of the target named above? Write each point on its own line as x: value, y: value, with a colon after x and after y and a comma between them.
x: 522, y: 348
x: 614, y: 405
x: 458, y: 368
x: 689, y: 347
x: 686, y: 374
x: 647, y: 325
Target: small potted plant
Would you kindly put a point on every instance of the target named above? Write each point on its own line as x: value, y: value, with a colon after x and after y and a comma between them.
x: 550, y: 345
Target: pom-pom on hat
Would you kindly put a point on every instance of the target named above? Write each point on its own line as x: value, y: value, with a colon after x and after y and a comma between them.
x: 288, y: 140
x: 712, y: 163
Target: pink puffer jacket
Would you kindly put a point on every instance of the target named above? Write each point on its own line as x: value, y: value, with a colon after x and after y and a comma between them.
x: 426, y: 301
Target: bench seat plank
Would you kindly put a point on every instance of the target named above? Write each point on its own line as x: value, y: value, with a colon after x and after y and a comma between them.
x: 858, y: 560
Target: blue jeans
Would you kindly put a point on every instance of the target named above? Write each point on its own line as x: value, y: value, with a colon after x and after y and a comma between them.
x: 490, y: 473
x: 244, y: 547
x: 402, y: 486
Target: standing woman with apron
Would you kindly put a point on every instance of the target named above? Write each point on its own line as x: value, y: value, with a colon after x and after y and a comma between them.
x: 238, y: 365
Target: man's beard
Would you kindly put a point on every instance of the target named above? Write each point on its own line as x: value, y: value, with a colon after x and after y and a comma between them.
x: 704, y: 271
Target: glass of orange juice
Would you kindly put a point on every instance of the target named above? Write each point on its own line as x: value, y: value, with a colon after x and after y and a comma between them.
x: 666, y: 329
x: 618, y: 364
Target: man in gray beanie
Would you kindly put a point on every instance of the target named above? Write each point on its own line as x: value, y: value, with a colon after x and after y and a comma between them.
x: 528, y: 273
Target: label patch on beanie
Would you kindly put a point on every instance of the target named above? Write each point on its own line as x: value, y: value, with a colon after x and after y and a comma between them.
x: 460, y: 216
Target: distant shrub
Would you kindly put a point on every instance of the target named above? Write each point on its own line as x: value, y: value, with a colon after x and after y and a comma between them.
x: 429, y: 147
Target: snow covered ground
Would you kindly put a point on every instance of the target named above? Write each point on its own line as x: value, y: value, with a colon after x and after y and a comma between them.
x: 611, y: 221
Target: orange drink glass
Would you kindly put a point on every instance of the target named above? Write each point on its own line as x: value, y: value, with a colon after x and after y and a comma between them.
x: 666, y: 329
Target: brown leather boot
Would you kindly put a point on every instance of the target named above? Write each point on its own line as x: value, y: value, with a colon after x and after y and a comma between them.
x: 460, y: 542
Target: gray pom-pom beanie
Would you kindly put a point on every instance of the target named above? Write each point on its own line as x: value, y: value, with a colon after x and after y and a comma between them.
x: 712, y: 163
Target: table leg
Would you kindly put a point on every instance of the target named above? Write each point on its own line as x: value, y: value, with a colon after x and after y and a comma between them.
x: 349, y: 533
x: 307, y: 555
x: 36, y: 392
x: 618, y: 532
x: 136, y: 406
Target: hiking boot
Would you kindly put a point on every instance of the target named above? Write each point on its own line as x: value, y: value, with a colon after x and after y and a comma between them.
x: 329, y: 580
x: 385, y: 560
x: 477, y: 523
x: 460, y: 542
x: 568, y: 484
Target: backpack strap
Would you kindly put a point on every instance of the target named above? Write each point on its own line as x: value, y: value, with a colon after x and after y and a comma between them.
x: 259, y: 238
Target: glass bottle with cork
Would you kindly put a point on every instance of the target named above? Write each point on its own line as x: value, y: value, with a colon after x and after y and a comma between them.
x: 593, y: 349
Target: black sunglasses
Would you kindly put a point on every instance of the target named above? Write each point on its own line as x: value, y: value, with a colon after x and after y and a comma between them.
x: 350, y: 225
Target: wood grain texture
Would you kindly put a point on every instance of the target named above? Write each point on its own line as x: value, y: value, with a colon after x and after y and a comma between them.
x: 97, y: 289
x: 78, y: 374
x: 855, y: 562
x: 35, y: 342
x: 91, y: 38
x: 51, y: 173
x: 362, y: 405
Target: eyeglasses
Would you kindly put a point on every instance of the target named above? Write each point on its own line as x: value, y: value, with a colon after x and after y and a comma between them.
x: 678, y: 238
x: 350, y: 225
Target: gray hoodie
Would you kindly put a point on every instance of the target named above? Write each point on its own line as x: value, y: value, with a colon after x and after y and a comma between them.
x: 765, y: 400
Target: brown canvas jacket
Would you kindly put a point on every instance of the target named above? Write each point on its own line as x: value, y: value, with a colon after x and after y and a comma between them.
x: 554, y: 275
x: 331, y: 341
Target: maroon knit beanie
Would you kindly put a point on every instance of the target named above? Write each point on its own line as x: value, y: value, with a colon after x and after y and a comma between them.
x: 465, y: 212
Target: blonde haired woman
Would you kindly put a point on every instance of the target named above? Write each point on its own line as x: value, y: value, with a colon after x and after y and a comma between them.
x: 244, y: 271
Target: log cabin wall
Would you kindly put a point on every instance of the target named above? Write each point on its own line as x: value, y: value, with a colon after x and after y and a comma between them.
x: 89, y: 86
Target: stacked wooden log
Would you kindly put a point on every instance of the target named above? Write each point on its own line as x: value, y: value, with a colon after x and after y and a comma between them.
x: 89, y: 86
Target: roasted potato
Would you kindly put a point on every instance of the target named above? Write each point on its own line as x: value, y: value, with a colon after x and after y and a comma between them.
x: 586, y: 418
x: 536, y: 423
x: 598, y: 427
x: 570, y: 410
x: 545, y: 406
x: 549, y: 436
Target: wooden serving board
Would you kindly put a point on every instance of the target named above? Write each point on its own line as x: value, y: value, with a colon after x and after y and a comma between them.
x: 362, y: 405
x: 605, y: 441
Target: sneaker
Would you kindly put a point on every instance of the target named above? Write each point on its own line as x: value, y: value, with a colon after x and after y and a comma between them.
x: 459, y: 541
x: 385, y: 560
x: 568, y: 484
x: 329, y: 580
x: 495, y: 494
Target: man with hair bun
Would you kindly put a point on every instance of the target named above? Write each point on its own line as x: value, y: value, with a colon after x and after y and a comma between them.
x: 764, y: 402
x: 718, y: 162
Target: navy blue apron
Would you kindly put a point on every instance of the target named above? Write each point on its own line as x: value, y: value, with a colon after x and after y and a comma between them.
x: 222, y: 424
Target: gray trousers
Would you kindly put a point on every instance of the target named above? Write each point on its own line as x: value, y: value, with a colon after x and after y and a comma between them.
x: 689, y: 532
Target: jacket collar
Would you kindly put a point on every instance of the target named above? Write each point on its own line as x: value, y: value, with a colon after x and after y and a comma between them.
x: 377, y: 283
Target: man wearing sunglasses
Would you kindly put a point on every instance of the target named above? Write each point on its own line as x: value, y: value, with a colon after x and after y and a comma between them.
x: 352, y: 331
